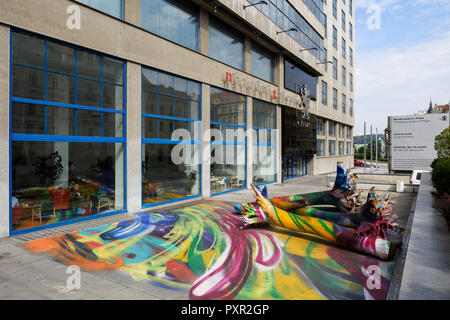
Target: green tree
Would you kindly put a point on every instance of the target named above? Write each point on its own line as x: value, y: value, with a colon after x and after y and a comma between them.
x: 442, y: 144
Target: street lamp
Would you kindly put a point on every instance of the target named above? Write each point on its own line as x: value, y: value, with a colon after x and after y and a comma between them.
x: 255, y: 4
x: 291, y: 29
x: 308, y: 49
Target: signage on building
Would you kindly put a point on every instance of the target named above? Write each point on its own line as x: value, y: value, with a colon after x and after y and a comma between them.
x: 412, y: 140
x: 236, y: 82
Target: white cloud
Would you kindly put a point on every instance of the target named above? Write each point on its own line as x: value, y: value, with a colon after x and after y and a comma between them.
x: 400, y: 81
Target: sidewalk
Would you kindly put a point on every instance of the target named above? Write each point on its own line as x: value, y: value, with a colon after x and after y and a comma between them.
x: 313, y: 262
x: 426, y: 274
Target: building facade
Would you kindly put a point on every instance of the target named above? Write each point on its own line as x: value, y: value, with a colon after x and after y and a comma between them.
x: 116, y: 106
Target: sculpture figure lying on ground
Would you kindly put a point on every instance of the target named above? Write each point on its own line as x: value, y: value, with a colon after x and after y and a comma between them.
x: 369, y: 228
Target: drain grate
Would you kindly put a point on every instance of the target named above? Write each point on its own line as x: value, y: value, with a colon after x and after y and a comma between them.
x: 74, y: 227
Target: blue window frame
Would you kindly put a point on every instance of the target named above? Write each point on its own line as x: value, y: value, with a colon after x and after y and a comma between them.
x: 115, y: 8
x: 65, y: 101
x: 228, y: 141
x: 294, y: 166
x: 171, y: 108
x: 264, y: 142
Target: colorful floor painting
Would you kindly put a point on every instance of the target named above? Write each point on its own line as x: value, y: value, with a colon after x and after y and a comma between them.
x: 202, y: 250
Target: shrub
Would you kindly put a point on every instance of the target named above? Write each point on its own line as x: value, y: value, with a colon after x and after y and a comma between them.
x: 441, y: 175
x: 442, y: 144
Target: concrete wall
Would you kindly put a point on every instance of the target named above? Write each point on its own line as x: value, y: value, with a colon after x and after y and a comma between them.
x: 328, y: 164
x: 4, y: 131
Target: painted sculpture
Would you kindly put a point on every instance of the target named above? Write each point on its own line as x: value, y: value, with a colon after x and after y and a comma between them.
x: 370, y: 228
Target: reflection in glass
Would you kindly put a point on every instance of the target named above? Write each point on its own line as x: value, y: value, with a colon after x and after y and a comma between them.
x: 112, y: 7
x: 61, y: 181
x: 226, y: 44
x: 28, y: 118
x: 60, y: 58
x: 28, y: 50
x: 228, y: 142
x: 175, y: 20
x: 262, y: 62
x: 162, y: 179
x: 28, y: 83
x: 89, y: 123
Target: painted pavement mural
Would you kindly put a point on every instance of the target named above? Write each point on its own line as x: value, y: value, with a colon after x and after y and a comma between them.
x: 203, y: 250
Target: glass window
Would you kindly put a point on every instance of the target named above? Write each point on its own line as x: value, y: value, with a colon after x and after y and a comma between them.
x: 228, y: 141
x: 264, y: 142
x: 170, y: 112
x: 335, y: 68
x: 295, y: 77
x: 331, y: 148
x: 344, y: 103
x: 349, y: 133
x: 351, y: 107
x: 343, y: 20
x: 175, y: 20
x: 262, y: 63
x: 285, y: 16
x: 350, y: 28
x: 321, y: 126
x: 351, y: 82
x: 334, y: 37
x: 226, y: 44
x: 320, y: 148
x: 54, y: 180
x: 28, y: 50
x: 61, y: 181
x: 332, y: 128
x: 341, y: 130
x: 344, y: 76
x: 324, y: 93
x: 351, y: 56
x: 335, y: 99
x: 111, y: 7
x: 349, y: 149
x: 341, y: 148
x: 344, y: 48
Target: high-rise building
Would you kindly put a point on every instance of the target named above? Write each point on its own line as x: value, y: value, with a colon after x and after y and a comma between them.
x: 96, y: 95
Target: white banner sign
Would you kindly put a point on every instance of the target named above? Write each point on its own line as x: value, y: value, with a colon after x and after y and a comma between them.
x: 413, y: 140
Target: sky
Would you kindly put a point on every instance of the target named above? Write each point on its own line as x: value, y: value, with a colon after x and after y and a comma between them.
x: 401, y: 62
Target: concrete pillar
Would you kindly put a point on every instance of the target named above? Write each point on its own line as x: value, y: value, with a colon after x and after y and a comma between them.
x: 279, y: 141
x: 250, y: 146
x: 133, y: 11
x: 248, y: 55
x: 134, y: 139
x: 206, y: 139
x: 204, y: 35
x: 4, y: 132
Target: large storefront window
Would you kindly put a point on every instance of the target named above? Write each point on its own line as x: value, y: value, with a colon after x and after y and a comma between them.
x: 175, y: 20
x: 228, y: 141
x: 264, y: 142
x: 115, y: 8
x: 68, y: 141
x: 226, y: 44
x: 171, y: 169
x: 262, y: 63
